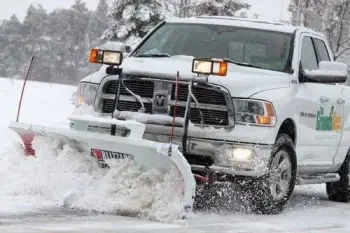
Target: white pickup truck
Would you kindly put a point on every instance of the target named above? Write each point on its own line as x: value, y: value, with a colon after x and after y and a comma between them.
x: 278, y: 117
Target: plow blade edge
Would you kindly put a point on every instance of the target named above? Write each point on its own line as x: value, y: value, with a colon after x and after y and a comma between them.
x: 110, y: 148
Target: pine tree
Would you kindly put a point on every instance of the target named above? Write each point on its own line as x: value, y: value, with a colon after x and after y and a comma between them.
x: 216, y: 7
x: 62, y: 39
x: 11, y: 40
x: 79, y: 6
x: 35, y: 26
x: 98, y: 23
x: 102, y: 10
x: 133, y: 19
x: 37, y: 42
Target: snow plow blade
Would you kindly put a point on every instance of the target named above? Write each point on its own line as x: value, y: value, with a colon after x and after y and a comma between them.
x: 109, y: 148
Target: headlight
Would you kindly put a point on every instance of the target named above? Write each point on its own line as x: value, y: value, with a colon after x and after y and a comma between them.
x: 255, y: 112
x: 209, y: 66
x: 107, y: 57
x: 86, y: 93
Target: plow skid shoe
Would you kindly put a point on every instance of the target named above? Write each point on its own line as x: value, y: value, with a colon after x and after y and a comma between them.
x: 110, y: 148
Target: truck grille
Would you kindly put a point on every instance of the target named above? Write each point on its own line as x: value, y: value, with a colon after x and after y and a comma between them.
x: 142, y: 88
x: 211, y: 98
x: 133, y: 106
x: 108, y: 105
x: 210, y: 117
x: 203, y: 95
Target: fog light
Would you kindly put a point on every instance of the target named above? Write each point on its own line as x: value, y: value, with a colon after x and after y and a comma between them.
x: 232, y: 157
x: 241, y: 155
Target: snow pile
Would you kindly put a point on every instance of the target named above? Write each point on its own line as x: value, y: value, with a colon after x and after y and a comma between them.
x: 43, y: 103
x: 63, y: 176
x: 149, y: 118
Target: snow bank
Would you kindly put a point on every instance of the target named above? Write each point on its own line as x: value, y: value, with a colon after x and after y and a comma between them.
x: 63, y: 176
x: 43, y: 103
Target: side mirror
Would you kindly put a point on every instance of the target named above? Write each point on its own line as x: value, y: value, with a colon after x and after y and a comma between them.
x: 328, y: 72
x: 115, y: 46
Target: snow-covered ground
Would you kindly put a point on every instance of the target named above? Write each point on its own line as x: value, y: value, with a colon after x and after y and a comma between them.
x: 32, y: 193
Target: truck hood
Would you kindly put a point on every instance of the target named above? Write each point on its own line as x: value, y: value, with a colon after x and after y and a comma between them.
x: 240, y: 81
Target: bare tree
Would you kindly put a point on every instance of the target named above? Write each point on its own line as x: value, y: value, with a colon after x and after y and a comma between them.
x: 336, y: 25
x: 330, y: 17
x: 302, y: 11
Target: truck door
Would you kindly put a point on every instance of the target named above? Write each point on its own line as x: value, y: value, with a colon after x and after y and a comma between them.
x: 345, y: 138
x: 321, y: 112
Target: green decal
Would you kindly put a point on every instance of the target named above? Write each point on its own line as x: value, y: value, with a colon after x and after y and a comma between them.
x: 331, y: 122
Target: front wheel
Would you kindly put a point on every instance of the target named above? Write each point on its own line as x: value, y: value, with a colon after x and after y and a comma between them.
x: 340, y: 191
x: 271, y: 193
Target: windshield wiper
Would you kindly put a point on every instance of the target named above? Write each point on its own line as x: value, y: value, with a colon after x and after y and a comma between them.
x: 154, y: 55
x: 241, y: 63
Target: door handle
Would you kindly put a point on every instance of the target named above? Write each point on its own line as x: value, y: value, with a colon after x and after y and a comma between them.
x: 340, y: 101
x: 324, y: 99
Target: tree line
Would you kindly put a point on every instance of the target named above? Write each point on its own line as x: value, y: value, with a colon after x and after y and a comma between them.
x: 61, y: 40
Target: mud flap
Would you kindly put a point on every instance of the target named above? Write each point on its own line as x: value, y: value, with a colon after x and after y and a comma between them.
x: 147, y: 154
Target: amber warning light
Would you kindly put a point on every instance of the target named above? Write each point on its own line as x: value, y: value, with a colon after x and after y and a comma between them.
x: 209, y: 67
x: 106, y: 57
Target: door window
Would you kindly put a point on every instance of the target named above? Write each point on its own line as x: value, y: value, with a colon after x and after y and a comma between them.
x: 321, y: 50
x: 308, y: 55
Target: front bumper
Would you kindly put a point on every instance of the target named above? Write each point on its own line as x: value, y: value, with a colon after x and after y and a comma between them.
x: 212, y: 151
x: 205, y: 155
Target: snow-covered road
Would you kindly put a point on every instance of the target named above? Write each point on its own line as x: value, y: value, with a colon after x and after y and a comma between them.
x: 316, y: 216
x: 26, y: 205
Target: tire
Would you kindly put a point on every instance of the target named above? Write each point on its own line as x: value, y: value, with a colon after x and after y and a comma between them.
x: 340, y: 191
x: 271, y: 193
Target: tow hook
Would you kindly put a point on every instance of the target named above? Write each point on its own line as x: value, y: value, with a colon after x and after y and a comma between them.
x: 201, y: 179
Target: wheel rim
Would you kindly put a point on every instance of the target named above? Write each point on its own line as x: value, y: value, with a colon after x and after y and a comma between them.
x: 280, y: 175
x: 349, y: 174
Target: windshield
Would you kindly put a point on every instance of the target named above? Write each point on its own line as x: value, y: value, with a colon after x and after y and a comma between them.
x: 265, y: 49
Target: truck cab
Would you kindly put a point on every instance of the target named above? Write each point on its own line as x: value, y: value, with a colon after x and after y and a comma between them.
x: 279, y: 116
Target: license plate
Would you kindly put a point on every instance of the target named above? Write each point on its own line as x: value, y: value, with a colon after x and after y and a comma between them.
x: 102, y: 155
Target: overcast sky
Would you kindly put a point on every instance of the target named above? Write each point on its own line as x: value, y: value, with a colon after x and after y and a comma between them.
x: 267, y: 9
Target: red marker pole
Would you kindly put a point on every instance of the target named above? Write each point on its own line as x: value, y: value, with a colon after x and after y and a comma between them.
x: 24, y: 86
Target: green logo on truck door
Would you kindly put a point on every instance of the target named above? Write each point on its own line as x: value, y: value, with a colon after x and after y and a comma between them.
x: 329, y: 122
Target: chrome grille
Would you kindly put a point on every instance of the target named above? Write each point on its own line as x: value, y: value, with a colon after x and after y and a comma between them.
x: 212, y: 102
x: 133, y: 106
x: 210, y: 117
x: 108, y: 105
x: 142, y: 88
x: 202, y: 94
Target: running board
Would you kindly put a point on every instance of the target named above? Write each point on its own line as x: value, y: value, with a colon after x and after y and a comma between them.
x: 319, y: 179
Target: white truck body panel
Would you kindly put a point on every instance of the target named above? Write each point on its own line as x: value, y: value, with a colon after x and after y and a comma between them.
x: 240, y: 81
x: 318, y: 151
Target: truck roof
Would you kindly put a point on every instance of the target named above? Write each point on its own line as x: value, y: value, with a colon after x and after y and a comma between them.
x: 241, y: 22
